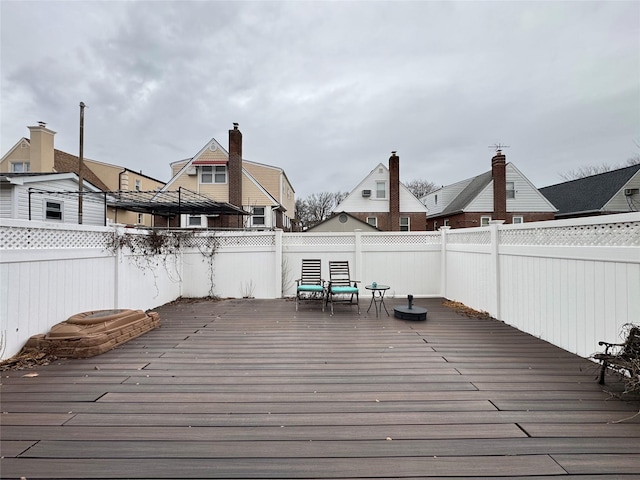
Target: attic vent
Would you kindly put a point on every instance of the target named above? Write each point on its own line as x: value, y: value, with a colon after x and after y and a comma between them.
x: 366, y: 193
x: 631, y: 191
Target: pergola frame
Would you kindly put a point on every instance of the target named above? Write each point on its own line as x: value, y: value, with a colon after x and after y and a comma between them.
x: 168, y: 204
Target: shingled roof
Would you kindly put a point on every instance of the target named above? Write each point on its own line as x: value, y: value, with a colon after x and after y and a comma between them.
x: 64, y: 162
x: 467, y: 195
x: 589, y: 194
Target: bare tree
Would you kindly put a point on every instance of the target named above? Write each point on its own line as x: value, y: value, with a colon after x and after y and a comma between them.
x: 589, y: 170
x: 317, y: 207
x: 585, y: 171
x: 420, y: 188
x: 339, y: 197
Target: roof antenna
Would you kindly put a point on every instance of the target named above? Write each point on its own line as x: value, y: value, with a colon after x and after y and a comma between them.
x: 498, y: 147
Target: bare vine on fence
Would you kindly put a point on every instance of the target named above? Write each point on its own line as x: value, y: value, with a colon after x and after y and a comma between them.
x: 155, y: 248
x: 208, y: 248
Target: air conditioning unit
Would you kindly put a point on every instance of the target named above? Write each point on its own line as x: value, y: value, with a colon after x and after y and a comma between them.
x: 192, y: 171
x: 366, y: 193
x: 631, y: 191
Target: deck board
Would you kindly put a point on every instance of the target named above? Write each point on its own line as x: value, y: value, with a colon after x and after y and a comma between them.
x: 254, y: 389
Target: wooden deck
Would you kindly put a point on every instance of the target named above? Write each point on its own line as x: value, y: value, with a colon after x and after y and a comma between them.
x: 252, y: 389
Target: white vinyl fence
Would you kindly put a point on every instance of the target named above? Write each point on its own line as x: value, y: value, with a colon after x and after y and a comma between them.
x: 570, y: 282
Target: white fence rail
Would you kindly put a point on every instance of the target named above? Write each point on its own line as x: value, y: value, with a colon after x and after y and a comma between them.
x: 570, y: 282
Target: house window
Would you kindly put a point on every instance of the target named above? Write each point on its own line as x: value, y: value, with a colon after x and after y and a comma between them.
x: 213, y: 174
x: 517, y: 219
x: 20, y: 167
x: 138, y: 186
x: 511, y: 190
x: 446, y: 222
x: 381, y: 190
x: 140, y: 219
x: 194, y: 220
x: 484, y: 221
x: 53, y: 210
x: 257, y: 216
x: 404, y: 224
x: 436, y: 199
x: 373, y: 221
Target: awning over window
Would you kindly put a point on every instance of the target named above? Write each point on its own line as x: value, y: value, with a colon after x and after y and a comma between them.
x: 209, y: 162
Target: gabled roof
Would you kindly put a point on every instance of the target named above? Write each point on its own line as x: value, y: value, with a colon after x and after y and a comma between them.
x: 34, y: 177
x: 190, y: 161
x: 336, y: 218
x: 468, y: 194
x: 589, y: 194
x: 408, y: 201
x: 65, y: 162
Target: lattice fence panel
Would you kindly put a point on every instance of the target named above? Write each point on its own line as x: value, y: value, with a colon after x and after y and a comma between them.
x: 401, y: 239
x: 311, y: 240
x: 22, y: 238
x: 246, y: 241
x: 623, y: 234
x: 469, y: 238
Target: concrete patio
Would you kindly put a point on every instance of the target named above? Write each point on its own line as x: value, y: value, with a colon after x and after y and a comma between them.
x: 253, y: 389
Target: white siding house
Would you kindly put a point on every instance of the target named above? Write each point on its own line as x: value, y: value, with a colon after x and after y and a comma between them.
x: 502, y: 193
x: 51, y: 197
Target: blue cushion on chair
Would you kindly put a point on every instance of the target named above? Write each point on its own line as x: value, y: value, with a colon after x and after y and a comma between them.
x: 344, y: 290
x: 310, y: 288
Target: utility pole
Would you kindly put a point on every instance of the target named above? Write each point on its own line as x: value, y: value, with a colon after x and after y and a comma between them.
x: 81, y: 164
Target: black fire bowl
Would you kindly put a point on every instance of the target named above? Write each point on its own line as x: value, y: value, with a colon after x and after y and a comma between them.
x: 410, y: 313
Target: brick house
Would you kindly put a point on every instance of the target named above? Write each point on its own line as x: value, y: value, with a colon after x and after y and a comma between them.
x: 502, y: 193
x: 382, y: 201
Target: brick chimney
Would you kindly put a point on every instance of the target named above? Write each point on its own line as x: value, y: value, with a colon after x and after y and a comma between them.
x: 235, y: 173
x: 41, y: 148
x: 394, y: 192
x: 499, y: 175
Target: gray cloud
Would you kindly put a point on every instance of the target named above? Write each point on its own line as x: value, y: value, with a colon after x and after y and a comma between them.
x: 327, y: 89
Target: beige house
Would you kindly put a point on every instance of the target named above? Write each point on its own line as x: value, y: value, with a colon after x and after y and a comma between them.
x: 342, y: 222
x: 37, y: 154
x: 224, y: 176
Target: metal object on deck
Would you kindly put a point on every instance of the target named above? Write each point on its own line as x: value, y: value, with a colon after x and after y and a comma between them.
x: 410, y: 312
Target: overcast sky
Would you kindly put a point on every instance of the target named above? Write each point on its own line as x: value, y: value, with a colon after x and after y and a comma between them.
x: 327, y: 89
